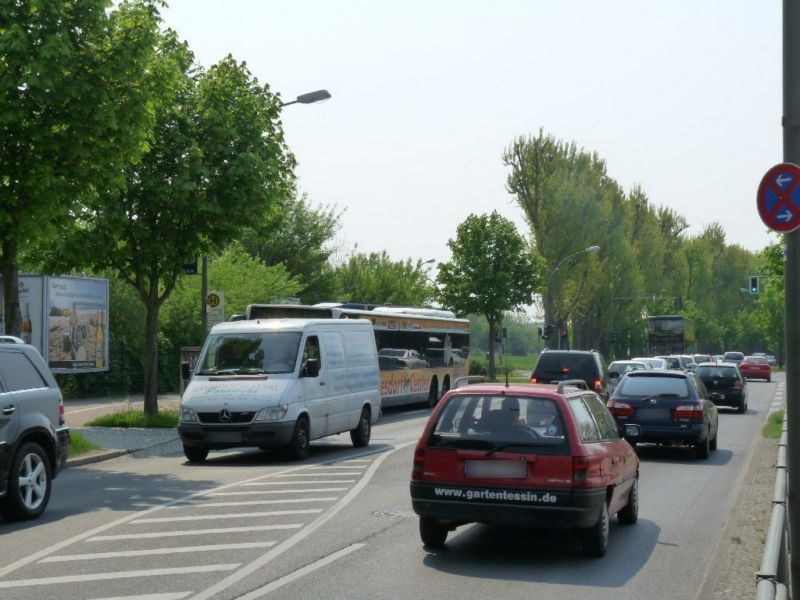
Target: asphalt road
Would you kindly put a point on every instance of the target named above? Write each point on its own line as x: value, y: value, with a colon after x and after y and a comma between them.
x: 248, y: 525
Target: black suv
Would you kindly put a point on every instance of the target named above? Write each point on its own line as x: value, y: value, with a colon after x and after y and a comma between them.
x: 34, y: 439
x: 560, y: 365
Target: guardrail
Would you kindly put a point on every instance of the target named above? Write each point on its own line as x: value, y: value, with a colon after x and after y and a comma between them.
x: 772, y: 578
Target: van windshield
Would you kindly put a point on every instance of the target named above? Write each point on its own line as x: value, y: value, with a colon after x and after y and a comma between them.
x: 250, y: 353
x: 491, y: 423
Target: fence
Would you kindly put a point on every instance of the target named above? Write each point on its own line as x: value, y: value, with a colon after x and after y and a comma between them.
x: 772, y: 578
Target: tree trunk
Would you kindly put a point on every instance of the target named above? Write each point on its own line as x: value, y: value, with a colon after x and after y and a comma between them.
x: 12, y: 319
x: 151, y: 358
x: 492, y: 334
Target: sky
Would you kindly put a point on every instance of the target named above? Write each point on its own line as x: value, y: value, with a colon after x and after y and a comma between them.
x: 681, y: 97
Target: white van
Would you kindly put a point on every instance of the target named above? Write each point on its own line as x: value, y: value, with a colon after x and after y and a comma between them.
x: 279, y: 383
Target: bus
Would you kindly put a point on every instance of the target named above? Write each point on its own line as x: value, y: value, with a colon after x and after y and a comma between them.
x: 670, y: 334
x: 421, y: 351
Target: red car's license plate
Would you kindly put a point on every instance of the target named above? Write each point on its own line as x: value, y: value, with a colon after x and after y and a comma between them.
x: 505, y: 469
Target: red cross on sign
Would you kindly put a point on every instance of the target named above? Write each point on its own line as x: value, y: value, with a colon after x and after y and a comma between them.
x: 778, y: 198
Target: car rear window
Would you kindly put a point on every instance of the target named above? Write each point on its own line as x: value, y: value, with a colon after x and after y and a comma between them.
x: 654, y: 386
x: 521, y: 423
x: 759, y: 360
x: 717, y: 372
x: 733, y: 356
x: 554, y: 366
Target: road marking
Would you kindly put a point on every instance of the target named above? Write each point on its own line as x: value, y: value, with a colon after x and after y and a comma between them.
x: 157, y: 551
x: 279, y: 583
x: 284, y: 546
x: 314, y: 482
x: 168, y: 596
x: 332, y: 467
x: 355, y: 460
x: 262, y: 492
x: 318, y: 474
x: 268, y: 513
x: 116, y: 575
x: 255, y: 502
x: 164, y: 534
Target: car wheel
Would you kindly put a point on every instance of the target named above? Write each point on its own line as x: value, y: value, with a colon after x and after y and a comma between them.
x: 433, y: 397
x: 630, y: 514
x: 28, y: 484
x: 713, y: 445
x: 360, y: 435
x: 432, y: 534
x: 703, y: 449
x: 195, y: 454
x: 298, y: 446
x: 769, y: 379
x: 595, y: 538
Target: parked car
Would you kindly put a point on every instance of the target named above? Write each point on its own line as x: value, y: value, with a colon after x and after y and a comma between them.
x: 733, y: 357
x: 755, y: 367
x: 670, y: 408
x: 618, y: 368
x: 524, y: 455
x: 401, y: 358
x: 559, y: 365
x: 656, y: 363
x: 725, y: 384
x: 34, y: 439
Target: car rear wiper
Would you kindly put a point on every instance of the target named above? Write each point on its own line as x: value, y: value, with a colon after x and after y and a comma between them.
x: 500, y: 447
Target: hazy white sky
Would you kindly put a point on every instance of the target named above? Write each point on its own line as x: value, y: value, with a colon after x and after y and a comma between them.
x: 680, y: 96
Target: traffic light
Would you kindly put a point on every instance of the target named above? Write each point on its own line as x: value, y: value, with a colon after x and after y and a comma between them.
x: 754, y: 284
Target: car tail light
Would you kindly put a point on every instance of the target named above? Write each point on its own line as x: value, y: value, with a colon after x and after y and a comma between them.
x: 692, y: 412
x: 419, y: 463
x: 598, y: 386
x: 61, y: 418
x: 737, y: 385
x: 620, y: 409
x: 534, y: 380
x: 586, y: 472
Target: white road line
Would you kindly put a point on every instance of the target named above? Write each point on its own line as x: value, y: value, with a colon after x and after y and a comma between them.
x: 262, y: 492
x: 167, y: 596
x: 318, y: 474
x: 267, y: 513
x: 279, y: 583
x: 157, y: 551
x: 255, y: 502
x: 355, y: 460
x: 164, y: 534
x: 294, y: 482
x: 260, y: 562
x: 333, y: 467
x: 115, y: 575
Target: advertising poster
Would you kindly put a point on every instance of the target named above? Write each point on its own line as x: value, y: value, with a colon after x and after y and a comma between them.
x: 77, y: 324
x: 31, y: 308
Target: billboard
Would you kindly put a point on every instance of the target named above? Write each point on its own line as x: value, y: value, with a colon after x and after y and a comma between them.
x: 66, y: 319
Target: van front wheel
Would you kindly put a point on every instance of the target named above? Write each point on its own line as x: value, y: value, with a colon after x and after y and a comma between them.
x: 361, y: 434
x: 298, y: 447
x: 195, y: 454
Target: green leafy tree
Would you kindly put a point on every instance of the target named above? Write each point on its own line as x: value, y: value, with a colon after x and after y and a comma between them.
x: 76, y: 111
x: 217, y: 158
x: 492, y: 270
x: 377, y: 279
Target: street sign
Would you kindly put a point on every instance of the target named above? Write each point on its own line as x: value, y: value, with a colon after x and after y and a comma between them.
x: 215, y: 308
x: 778, y: 198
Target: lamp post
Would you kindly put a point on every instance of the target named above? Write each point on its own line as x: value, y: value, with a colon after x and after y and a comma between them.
x: 549, y: 297
x: 309, y: 98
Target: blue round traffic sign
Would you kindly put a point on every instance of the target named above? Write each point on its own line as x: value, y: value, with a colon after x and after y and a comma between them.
x: 778, y: 198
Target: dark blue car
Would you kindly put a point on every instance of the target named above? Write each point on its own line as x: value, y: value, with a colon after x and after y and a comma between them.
x: 670, y: 408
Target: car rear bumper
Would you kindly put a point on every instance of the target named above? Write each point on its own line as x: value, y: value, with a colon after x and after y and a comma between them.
x: 692, y: 434
x: 272, y: 435
x: 507, y: 506
x: 731, y: 397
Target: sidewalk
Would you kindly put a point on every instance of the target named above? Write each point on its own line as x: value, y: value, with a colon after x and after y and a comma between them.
x: 115, y: 441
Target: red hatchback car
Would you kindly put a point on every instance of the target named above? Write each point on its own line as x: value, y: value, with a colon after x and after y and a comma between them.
x: 524, y: 455
x: 755, y: 367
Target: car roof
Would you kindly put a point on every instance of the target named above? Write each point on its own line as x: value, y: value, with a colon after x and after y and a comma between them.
x: 521, y: 389
x: 658, y: 373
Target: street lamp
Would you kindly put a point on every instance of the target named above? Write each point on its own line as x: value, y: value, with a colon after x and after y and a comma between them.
x: 549, y: 299
x: 308, y: 98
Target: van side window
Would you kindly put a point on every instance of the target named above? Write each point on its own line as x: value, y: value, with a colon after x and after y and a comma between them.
x: 311, y: 357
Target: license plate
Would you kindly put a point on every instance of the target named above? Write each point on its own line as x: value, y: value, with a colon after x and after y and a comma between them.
x: 718, y: 396
x: 225, y: 437
x: 653, y: 414
x: 503, y: 469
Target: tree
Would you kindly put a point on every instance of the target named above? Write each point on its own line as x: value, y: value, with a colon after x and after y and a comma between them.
x: 492, y: 270
x: 217, y: 158
x: 75, y: 112
x: 377, y: 279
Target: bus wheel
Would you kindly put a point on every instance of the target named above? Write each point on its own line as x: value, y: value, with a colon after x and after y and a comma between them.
x: 445, y: 386
x: 433, y: 394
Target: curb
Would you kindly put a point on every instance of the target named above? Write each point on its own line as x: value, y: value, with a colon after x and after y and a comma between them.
x: 103, y: 455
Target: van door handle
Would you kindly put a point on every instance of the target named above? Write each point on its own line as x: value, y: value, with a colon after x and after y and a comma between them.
x: 322, y: 383
x: 9, y: 409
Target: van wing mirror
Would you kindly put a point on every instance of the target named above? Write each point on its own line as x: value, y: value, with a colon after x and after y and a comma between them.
x: 310, y: 368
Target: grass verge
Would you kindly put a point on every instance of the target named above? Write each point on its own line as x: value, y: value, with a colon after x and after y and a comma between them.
x: 772, y: 428
x: 165, y: 418
x: 78, y: 444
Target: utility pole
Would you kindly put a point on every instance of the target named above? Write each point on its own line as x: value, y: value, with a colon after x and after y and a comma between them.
x: 791, y: 154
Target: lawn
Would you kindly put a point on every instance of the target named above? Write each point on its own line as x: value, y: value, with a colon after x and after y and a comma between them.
x: 165, y: 418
